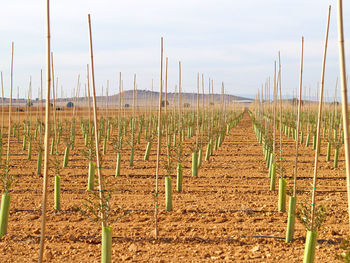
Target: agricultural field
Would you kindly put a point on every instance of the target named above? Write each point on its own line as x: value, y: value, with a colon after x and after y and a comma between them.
x: 224, y: 213
x: 190, y: 149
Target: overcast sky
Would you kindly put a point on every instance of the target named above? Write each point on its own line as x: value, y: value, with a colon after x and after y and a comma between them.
x: 235, y: 42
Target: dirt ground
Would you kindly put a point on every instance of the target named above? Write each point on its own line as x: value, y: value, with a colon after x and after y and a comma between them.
x: 226, y: 214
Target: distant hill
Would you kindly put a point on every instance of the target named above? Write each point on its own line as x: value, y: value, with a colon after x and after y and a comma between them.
x: 144, y: 98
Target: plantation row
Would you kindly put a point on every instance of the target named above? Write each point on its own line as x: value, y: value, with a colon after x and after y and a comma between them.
x: 118, y: 136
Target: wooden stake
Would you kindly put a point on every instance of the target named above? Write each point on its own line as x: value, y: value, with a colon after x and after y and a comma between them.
x: 166, y: 100
x: 212, y: 95
x: 100, y: 178
x: 107, y: 102
x: 197, y: 124
x: 344, y: 97
x: 29, y: 101
x: 37, y: 110
x: 41, y: 103
x: 75, y: 94
x: 2, y: 104
x: 174, y: 103
x: 180, y: 118
x: 274, y: 114
x: 298, y: 121
x: 10, y: 107
x: 47, y: 134
x: 159, y: 139
x: 89, y: 99
x: 151, y: 98
x: 280, y: 90
x: 17, y: 100
x: 54, y: 100
x: 208, y: 112
x: 319, y: 126
x: 123, y: 99
x: 133, y: 113
x: 203, y: 108
x: 120, y: 98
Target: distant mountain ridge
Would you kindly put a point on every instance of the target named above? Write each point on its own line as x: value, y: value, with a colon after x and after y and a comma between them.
x: 143, y: 98
x: 146, y: 97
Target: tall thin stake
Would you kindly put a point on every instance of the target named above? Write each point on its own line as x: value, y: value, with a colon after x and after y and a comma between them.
x: 159, y: 139
x: 203, y: 108
x: 281, y: 113
x: 166, y: 100
x: 180, y: 118
x: 41, y: 103
x: 342, y: 66
x: 298, y: 121
x: 47, y: 133
x: 10, y: 107
x: 197, y: 124
x: 2, y: 103
x: 120, y: 99
x: 54, y: 99
x: 89, y: 98
x: 100, y: 179
x: 274, y: 113
x: 319, y: 125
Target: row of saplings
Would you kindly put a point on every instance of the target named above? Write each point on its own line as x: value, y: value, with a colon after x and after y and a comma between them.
x: 209, y: 128
x: 332, y: 133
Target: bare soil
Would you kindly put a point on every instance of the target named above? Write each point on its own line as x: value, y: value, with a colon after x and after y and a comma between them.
x: 226, y: 214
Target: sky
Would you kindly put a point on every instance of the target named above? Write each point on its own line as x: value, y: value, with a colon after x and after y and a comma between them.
x: 235, y: 42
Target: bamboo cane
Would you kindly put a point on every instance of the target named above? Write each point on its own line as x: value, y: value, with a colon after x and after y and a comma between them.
x: 208, y: 112
x: 280, y: 91
x: 159, y: 140
x: 174, y: 103
x: 213, y: 104
x: 41, y: 105
x: 150, y: 110
x: 10, y: 107
x: 107, y: 88
x: 292, y: 199
x: 120, y: 99
x: 30, y: 102
x: 54, y: 100
x: 342, y: 66
x: 180, y: 118
x: 123, y: 99
x: 298, y: 121
x: 133, y: 122
x: 57, y: 99
x: 166, y: 102
x: 47, y: 134
x: 100, y: 178
x: 203, y: 108
x: 318, y: 125
x: 224, y: 101
x: 89, y: 99
x: 197, y: 124
x: 2, y: 104
x: 75, y: 94
x: 274, y: 114
x: 37, y: 110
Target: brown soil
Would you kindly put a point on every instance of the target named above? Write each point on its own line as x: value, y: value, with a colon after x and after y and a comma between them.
x: 226, y: 214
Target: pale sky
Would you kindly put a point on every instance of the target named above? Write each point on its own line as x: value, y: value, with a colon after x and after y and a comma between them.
x: 235, y: 42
